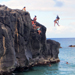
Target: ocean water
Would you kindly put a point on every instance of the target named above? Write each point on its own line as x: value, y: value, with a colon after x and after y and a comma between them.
x: 66, y: 54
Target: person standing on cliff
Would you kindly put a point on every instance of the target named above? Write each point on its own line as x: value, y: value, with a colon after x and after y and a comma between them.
x: 34, y: 19
x: 56, y: 21
x: 24, y: 9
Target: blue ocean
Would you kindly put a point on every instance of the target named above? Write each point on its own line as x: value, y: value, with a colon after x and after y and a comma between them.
x: 66, y: 54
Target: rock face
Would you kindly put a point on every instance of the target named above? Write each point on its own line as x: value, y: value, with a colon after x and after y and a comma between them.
x: 53, y: 49
x: 21, y: 45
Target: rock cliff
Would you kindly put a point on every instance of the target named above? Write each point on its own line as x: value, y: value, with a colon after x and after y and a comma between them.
x: 20, y: 45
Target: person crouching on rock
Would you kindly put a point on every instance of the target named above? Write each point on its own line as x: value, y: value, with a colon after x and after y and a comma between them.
x: 38, y: 28
x: 24, y: 9
x: 33, y: 24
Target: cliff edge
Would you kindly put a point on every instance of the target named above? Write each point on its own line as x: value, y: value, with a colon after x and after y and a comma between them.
x: 20, y: 45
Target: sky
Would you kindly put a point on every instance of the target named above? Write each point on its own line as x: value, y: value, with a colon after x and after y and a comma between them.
x: 46, y: 12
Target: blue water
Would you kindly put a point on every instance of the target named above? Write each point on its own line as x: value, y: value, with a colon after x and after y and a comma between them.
x: 66, y: 54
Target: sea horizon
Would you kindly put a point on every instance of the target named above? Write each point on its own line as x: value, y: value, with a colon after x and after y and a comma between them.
x: 62, y: 37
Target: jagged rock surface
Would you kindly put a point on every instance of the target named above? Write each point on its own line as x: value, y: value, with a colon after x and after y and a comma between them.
x: 20, y: 44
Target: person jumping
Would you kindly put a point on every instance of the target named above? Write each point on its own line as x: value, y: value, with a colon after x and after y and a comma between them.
x: 56, y: 21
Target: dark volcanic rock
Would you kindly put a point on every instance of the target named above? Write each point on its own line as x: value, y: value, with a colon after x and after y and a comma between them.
x: 21, y: 45
x: 53, y: 49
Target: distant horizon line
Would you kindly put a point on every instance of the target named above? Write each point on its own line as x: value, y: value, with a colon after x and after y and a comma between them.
x: 62, y: 37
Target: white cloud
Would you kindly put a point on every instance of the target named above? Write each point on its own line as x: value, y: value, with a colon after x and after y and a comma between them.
x: 72, y: 18
x: 62, y: 31
x: 72, y: 24
x: 30, y: 4
x: 41, y: 4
